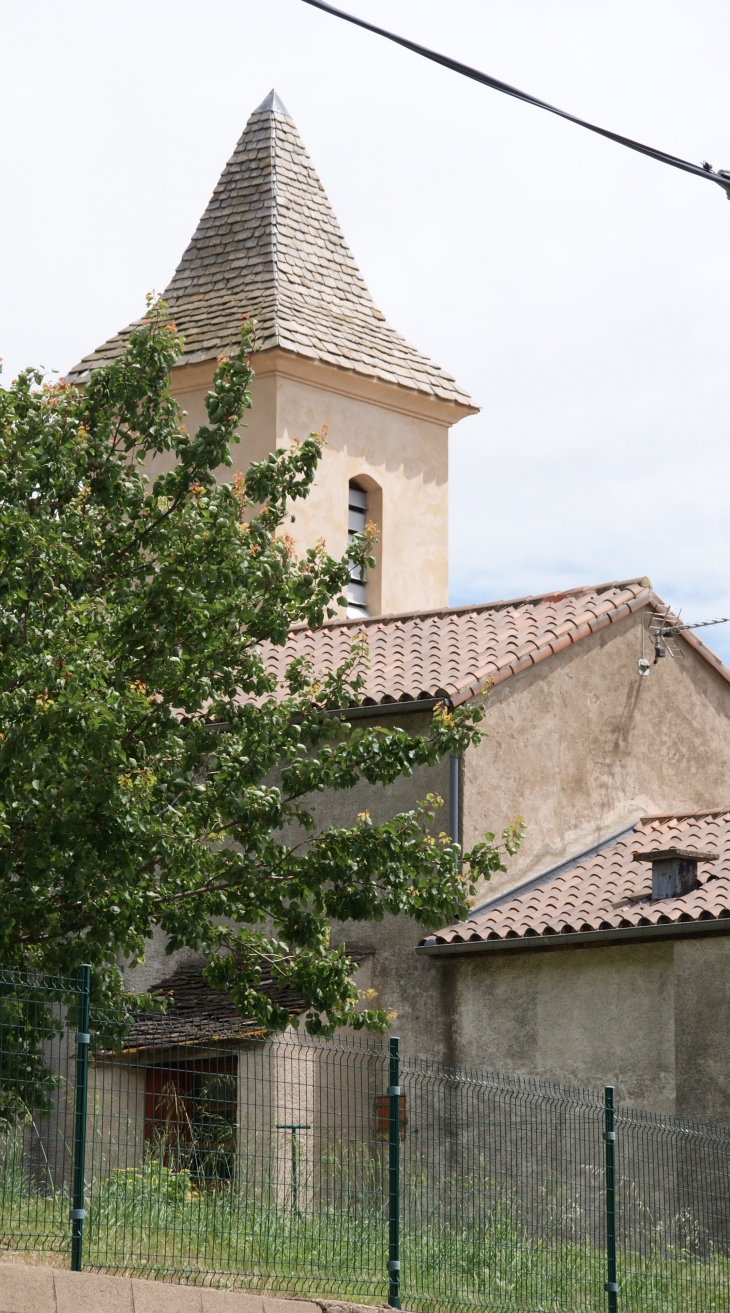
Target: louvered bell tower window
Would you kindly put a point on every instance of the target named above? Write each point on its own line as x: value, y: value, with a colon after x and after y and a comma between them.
x: 357, y: 517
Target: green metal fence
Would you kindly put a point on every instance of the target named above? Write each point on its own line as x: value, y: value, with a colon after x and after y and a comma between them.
x: 180, y: 1148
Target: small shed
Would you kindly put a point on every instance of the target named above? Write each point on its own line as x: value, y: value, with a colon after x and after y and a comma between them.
x: 200, y: 1089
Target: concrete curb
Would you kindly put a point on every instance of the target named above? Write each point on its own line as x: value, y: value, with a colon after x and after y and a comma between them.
x: 41, y: 1289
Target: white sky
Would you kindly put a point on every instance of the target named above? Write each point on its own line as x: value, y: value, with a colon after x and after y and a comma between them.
x: 579, y: 291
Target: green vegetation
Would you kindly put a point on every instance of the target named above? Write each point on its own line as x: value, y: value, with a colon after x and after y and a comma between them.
x: 27, y: 1083
x: 140, y: 731
x: 160, y: 1222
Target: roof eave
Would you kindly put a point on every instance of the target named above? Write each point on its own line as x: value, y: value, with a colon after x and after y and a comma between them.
x: 459, y: 402
x: 619, y: 935
x: 452, y: 408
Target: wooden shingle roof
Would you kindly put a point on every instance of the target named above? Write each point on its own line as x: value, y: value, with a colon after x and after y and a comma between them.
x: 269, y: 246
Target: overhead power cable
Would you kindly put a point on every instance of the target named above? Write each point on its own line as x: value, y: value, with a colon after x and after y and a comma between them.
x: 703, y: 170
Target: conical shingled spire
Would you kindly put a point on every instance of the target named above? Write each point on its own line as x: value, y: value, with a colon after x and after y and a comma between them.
x: 269, y: 246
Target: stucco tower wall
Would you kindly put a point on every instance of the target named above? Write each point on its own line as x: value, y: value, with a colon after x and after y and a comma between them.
x: 394, y: 442
x: 582, y: 746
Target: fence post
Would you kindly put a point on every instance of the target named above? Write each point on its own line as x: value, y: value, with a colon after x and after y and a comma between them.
x: 82, y: 1088
x: 294, y: 1127
x: 609, y: 1135
x: 394, y: 1176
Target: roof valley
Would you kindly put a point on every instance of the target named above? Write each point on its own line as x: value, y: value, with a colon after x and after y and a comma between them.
x: 274, y: 231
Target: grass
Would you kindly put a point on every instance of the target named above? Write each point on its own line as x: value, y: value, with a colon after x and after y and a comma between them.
x: 165, y: 1221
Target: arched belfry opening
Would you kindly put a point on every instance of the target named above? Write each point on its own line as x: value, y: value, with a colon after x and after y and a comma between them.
x: 357, y: 518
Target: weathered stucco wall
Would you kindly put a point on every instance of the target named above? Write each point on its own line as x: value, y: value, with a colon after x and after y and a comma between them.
x: 588, y: 1017
x: 581, y: 746
x: 702, y: 1027
x: 393, y: 441
x: 651, y: 1019
x: 157, y: 963
x: 402, y: 980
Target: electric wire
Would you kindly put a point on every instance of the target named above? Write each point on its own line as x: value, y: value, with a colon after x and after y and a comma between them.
x: 704, y: 170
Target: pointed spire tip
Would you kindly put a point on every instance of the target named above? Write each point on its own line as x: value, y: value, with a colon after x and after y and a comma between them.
x: 272, y: 101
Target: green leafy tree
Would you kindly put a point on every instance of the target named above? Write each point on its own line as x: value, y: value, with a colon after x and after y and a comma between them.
x: 27, y: 1082
x: 140, y: 731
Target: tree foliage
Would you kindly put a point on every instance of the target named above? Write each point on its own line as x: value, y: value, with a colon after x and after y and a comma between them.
x: 28, y: 1028
x: 149, y: 765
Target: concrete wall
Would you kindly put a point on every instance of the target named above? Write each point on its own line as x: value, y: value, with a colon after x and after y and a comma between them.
x: 394, y: 442
x: 26, y: 1288
x: 581, y: 746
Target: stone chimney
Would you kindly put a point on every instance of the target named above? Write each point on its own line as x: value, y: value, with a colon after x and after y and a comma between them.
x: 673, y: 870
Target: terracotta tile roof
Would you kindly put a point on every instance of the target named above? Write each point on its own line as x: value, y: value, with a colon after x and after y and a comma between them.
x: 269, y: 246
x: 457, y: 651
x: 610, y: 891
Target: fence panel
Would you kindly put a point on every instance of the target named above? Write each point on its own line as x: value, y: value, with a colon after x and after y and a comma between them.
x: 238, y: 1159
x: 673, y: 1215
x: 502, y: 1192
x: 37, y: 1097
x: 217, y: 1154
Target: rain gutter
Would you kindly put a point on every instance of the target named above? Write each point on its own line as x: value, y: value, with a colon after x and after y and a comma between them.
x: 361, y: 713
x: 389, y: 708
x: 622, y: 934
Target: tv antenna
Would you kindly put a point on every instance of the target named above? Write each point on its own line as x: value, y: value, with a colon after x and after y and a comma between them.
x: 663, y: 630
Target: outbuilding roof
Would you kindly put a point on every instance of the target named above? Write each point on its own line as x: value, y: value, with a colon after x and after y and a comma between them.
x: 269, y: 246
x: 457, y: 651
x: 608, y: 892
x: 197, y: 1013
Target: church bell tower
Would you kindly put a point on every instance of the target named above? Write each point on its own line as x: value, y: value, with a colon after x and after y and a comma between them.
x: 269, y: 246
